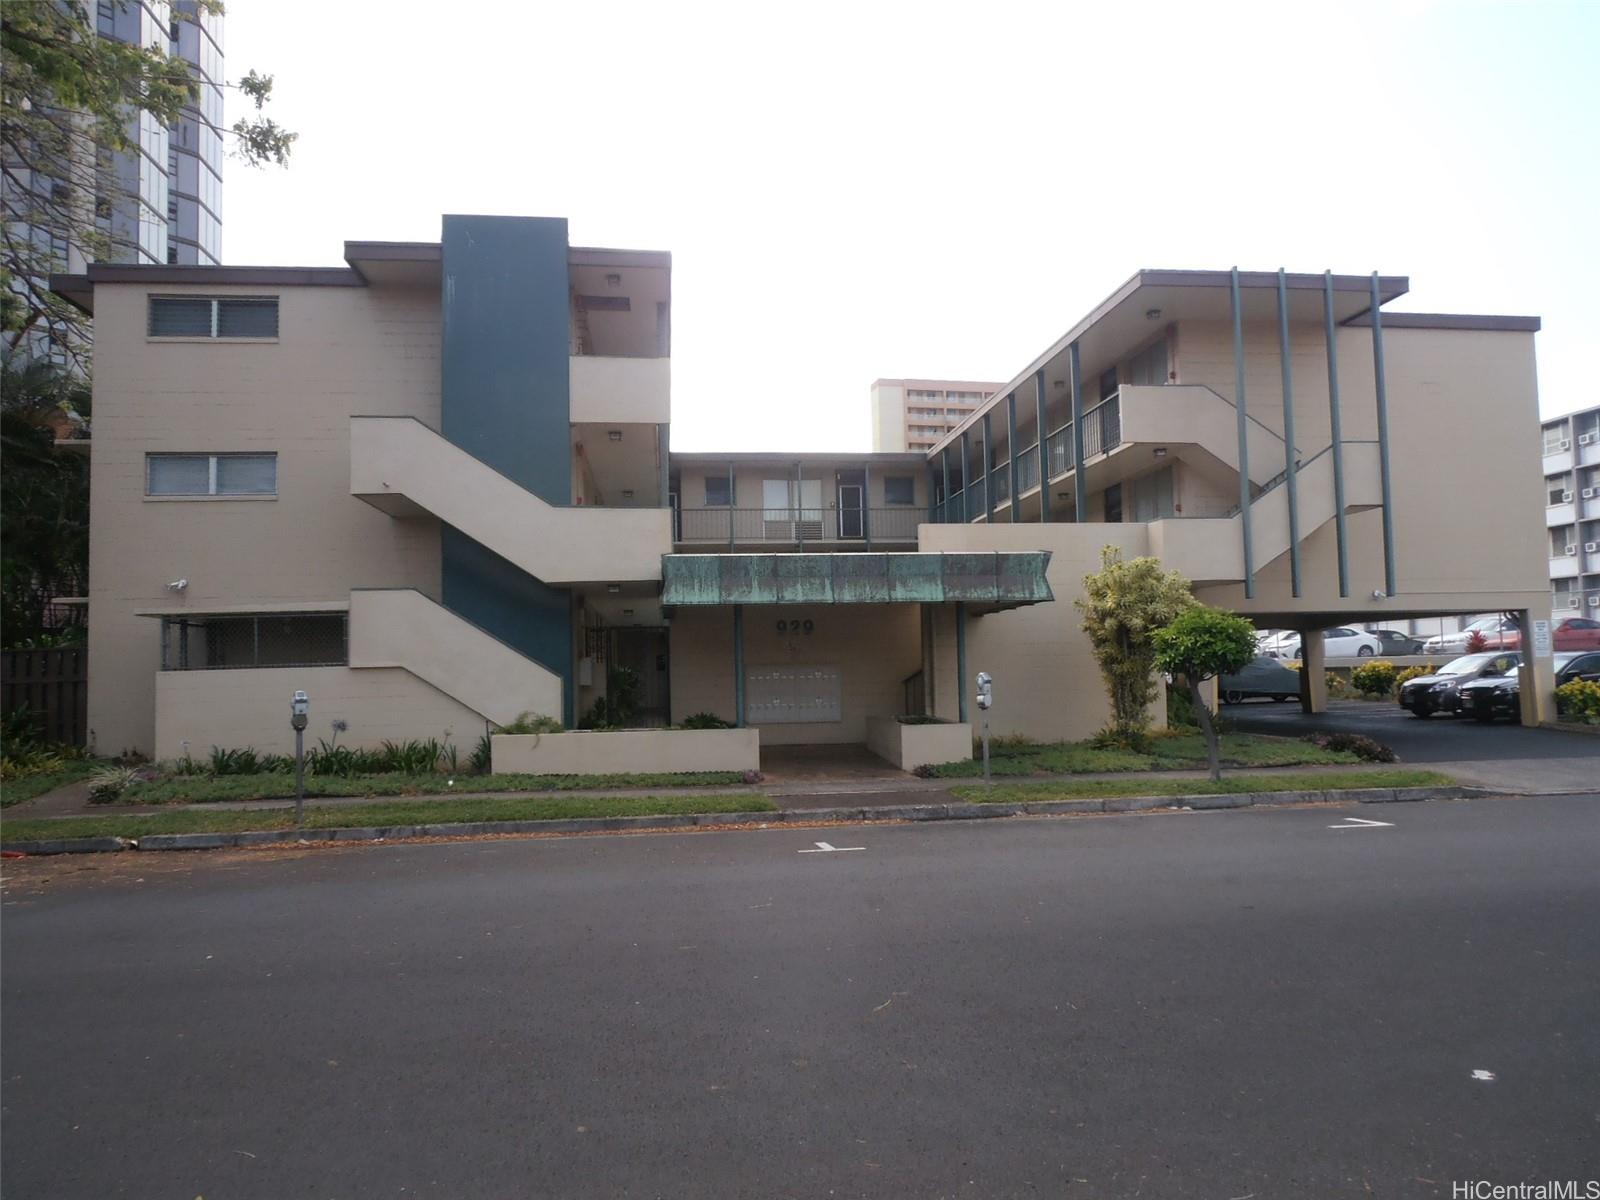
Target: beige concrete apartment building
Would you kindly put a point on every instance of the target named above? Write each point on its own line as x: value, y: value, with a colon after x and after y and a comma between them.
x: 913, y: 414
x: 433, y: 489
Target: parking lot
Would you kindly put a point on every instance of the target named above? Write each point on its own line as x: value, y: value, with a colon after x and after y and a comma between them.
x: 1498, y: 755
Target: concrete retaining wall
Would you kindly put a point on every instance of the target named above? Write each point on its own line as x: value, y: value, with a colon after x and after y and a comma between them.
x: 626, y: 751
x: 911, y: 746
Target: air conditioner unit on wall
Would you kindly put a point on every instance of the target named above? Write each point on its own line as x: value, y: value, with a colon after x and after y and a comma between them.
x: 1565, y: 444
x: 1585, y: 438
x: 1566, y: 497
x: 1572, y: 549
x: 1588, y: 493
x: 1594, y: 601
x: 1591, y: 547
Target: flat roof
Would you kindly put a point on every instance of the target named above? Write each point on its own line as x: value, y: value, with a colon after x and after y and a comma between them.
x: 809, y: 458
x: 1487, y: 324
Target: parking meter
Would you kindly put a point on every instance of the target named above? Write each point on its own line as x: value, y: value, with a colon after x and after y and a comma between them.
x: 299, y: 715
x: 985, y: 699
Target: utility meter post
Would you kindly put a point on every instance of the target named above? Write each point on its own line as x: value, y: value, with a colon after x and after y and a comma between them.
x: 985, y: 699
x: 299, y: 716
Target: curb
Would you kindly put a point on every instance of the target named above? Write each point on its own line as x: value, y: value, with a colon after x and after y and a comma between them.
x: 954, y: 811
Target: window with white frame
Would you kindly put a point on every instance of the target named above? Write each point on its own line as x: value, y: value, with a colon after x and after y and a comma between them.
x: 211, y: 475
x: 213, y: 317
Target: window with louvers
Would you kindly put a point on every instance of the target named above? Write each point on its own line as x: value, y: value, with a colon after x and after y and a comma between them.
x: 213, y: 317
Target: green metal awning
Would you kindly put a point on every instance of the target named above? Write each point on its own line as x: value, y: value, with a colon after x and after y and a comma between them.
x: 986, y: 582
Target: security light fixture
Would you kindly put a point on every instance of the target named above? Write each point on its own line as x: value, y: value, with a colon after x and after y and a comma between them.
x: 627, y: 493
x: 178, y: 585
x: 1152, y: 314
x: 1378, y: 594
x: 614, y: 435
x: 613, y: 280
x: 614, y: 588
x: 1160, y: 451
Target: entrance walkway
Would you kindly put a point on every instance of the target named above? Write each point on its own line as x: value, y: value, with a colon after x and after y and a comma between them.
x: 846, y: 765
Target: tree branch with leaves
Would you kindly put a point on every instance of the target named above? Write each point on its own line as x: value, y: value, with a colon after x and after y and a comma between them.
x: 69, y: 103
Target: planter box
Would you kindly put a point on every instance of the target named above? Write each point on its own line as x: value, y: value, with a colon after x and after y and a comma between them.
x: 626, y: 751
x: 911, y: 746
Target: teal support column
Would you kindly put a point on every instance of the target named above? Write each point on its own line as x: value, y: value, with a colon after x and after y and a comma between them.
x: 1292, y: 490
x: 733, y: 503
x: 1080, y: 489
x: 988, y: 454
x: 961, y: 661
x: 944, y: 464
x: 866, y: 505
x: 1244, y: 437
x: 1044, y: 460
x: 1011, y: 452
x: 738, y: 665
x: 966, y: 477
x: 662, y: 455
x: 1389, y: 585
x: 1331, y: 333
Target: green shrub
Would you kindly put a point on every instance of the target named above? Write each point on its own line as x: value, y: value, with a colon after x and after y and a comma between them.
x: 1374, y: 678
x: 110, y: 785
x: 1579, y: 700
x: 412, y: 757
x: 706, y: 720
x: 247, y: 761
x: 482, y: 760
x: 1336, y: 684
x: 530, y: 722
x: 1358, y: 744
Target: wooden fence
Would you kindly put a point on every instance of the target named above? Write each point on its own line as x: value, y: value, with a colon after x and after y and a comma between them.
x: 53, y: 685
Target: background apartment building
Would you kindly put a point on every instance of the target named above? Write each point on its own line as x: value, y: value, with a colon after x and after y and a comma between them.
x: 913, y: 414
x: 159, y: 203
x: 1571, y: 450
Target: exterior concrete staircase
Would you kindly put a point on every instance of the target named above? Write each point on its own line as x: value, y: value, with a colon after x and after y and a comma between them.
x: 1211, y: 550
x: 401, y: 466
x: 400, y: 627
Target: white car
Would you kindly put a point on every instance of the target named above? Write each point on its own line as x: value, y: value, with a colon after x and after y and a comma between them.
x: 1339, y: 642
x: 1493, y: 629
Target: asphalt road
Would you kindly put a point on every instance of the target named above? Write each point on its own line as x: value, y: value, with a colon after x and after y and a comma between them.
x: 1220, y: 1004
x: 1438, y: 739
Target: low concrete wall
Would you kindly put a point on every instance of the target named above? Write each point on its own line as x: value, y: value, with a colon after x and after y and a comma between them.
x: 626, y: 751
x: 911, y: 746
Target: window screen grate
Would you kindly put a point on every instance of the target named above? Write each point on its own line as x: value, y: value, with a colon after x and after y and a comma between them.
x: 179, y: 317
x: 202, y: 643
x: 247, y: 318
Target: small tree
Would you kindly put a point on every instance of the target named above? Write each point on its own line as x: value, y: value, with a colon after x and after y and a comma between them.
x: 1123, y: 605
x: 1200, y: 644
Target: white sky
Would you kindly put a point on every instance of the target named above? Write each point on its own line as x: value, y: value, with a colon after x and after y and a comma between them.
x: 868, y: 190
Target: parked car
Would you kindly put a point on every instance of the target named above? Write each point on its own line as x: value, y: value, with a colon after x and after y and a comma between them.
x: 1266, y: 676
x: 1393, y: 642
x: 1336, y: 643
x: 1576, y: 633
x: 1494, y: 630
x: 1428, y: 694
x: 1494, y: 696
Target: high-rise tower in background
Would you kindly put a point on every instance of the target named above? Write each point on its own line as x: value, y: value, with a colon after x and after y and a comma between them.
x: 195, y: 146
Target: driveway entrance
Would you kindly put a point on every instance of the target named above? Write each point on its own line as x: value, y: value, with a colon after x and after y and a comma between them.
x: 839, y: 763
x: 1501, y: 755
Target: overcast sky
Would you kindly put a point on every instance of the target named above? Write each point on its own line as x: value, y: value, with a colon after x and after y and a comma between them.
x: 870, y: 190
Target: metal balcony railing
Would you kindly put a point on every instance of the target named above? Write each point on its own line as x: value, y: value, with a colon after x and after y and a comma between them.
x: 791, y: 526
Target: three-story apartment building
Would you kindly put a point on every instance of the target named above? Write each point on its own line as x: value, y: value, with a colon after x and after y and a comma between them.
x: 433, y: 488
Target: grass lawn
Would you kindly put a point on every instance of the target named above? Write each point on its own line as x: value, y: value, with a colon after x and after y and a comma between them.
x: 203, y: 789
x: 15, y: 791
x: 1289, y: 781
x: 1185, y: 751
x: 415, y: 812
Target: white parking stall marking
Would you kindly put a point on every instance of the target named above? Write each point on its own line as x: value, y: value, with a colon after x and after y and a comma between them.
x: 1362, y: 823
x: 824, y: 848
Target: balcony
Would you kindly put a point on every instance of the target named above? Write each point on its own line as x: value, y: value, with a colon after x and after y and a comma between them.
x: 1557, y: 515
x: 621, y: 391
x: 823, y: 528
